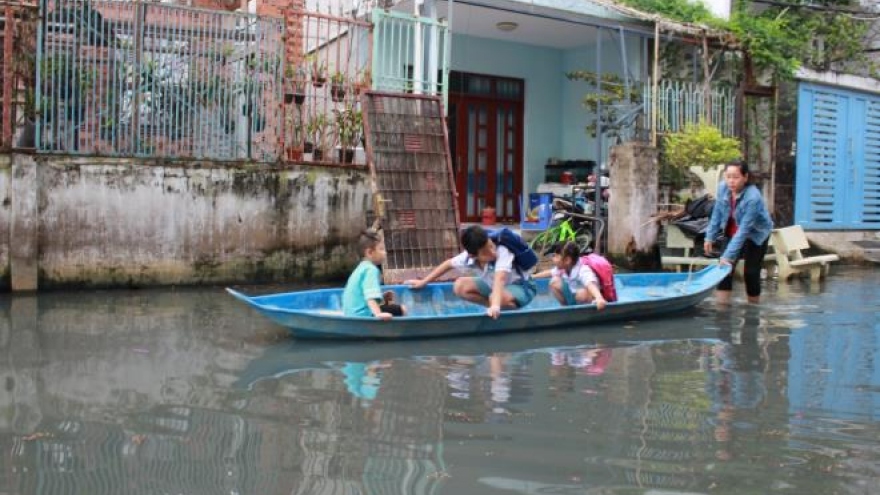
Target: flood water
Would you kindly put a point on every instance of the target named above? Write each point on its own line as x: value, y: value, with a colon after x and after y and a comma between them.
x: 192, y: 392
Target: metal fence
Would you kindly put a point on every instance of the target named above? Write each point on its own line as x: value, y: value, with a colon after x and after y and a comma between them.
x: 681, y: 103
x: 328, y: 66
x: 401, y: 41
x: 19, y: 24
x: 144, y: 79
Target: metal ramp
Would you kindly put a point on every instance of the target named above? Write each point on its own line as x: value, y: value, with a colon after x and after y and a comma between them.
x: 413, y: 186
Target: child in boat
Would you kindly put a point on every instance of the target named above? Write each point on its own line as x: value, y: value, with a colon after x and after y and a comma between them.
x: 573, y: 282
x: 363, y: 294
x: 497, y: 283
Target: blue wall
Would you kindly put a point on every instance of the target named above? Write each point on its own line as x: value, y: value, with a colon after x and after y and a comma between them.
x: 541, y: 68
x: 577, y: 143
x: 554, y: 117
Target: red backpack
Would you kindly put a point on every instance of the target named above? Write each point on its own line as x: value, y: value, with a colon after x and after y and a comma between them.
x: 604, y: 272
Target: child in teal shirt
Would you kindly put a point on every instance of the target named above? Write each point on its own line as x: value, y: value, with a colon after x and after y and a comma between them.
x: 363, y: 293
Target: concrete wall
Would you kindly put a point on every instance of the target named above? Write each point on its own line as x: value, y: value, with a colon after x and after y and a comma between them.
x: 120, y: 222
x: 632, y: 238
x: 5, y: 209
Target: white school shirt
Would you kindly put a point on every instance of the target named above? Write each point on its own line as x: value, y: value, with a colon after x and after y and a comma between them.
x: 503, y: 263
x: 581, y: 275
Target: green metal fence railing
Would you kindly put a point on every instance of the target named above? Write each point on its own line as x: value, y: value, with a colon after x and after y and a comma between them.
x: 399, y: 61
x: 681, y: 103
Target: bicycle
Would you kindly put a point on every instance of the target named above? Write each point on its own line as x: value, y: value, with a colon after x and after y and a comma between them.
x: 570, y: 227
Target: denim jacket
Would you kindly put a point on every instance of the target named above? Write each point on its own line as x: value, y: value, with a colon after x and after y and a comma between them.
x: 752, y: 219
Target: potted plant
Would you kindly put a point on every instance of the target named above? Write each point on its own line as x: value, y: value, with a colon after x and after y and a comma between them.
x: 337, y: 86
x: 297, y: 144
x: 296, y: 85
x: 364, y: 81
x: 320, y: 132
x: 349, y: 129
x: 319, y: 71
x: 698, y: 149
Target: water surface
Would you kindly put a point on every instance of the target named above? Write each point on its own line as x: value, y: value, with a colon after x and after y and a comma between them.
x: 191, y: 392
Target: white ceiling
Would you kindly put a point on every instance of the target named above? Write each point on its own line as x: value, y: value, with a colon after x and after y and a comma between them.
x: 538, y: 25
x: 533, y: 29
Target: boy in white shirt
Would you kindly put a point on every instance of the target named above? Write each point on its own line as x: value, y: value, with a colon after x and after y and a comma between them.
x: 573, y: 281
x: 497, y: 283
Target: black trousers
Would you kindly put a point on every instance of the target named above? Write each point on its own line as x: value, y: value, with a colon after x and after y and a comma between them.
x: 753, y: 257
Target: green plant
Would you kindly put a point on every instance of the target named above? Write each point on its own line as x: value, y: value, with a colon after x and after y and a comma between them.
x: 320, y: 131
x: 364, y: 80
x: 349, y: 127
x: 337, y: 78
x: 319, y: 69
x: 614, y: 101
x: 296, y: 78
x: 700, y: 145
x: 297, y: 129
x: 781, y: 36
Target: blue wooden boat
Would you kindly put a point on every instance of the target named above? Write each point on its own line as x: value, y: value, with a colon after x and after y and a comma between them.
x: 435, y: 311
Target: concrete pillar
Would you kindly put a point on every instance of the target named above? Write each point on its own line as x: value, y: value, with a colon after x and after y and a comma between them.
x: 632, y: 236
x: 23, y: 224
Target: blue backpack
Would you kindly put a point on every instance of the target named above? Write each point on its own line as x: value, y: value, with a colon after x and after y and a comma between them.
x: 524, y: 257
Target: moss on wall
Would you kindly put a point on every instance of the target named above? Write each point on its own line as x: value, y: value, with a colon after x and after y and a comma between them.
x: 135, y: 223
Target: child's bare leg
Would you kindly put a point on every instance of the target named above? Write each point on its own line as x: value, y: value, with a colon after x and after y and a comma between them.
x: 466, y: 288
x: 507, y: 300
x: 556, y: 289
x: 583, y: 296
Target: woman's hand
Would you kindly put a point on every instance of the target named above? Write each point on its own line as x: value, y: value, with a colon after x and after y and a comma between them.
x: 707, y: 247
x: 416, y: 283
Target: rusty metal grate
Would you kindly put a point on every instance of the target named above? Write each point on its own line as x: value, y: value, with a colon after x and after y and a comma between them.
x: 408, y: 153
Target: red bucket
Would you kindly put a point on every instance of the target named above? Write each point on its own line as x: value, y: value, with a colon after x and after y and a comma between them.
x: 489, y: 216
x: 567, y: 178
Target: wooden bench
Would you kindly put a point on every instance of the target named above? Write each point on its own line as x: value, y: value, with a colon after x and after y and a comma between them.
x: 789, y: 242
x: 677, y: 240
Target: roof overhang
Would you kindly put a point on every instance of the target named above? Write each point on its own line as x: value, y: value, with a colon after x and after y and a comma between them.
x: 839, y: 80
x: 596, y: 13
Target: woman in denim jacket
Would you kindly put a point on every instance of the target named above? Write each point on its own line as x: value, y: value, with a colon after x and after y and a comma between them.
x: 740, y: 213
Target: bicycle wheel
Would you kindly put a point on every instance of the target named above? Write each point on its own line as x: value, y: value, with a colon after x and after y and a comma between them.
x: 584, y: 241
x: 543, y: 243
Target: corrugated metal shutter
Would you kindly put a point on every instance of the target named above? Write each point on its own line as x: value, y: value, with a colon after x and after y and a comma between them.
x: 871, y: 199
x: 838, y: 159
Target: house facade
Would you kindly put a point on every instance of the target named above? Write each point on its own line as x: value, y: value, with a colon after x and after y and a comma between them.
x: 515, y: 76
x: 189, y: 107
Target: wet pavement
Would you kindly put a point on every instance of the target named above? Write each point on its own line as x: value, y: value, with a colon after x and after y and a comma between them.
x: 191, y: 392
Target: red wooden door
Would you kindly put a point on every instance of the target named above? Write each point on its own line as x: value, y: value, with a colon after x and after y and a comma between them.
x: 486, y: 128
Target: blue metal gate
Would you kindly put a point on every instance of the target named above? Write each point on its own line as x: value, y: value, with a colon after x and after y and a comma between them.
x: 838, y: 159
